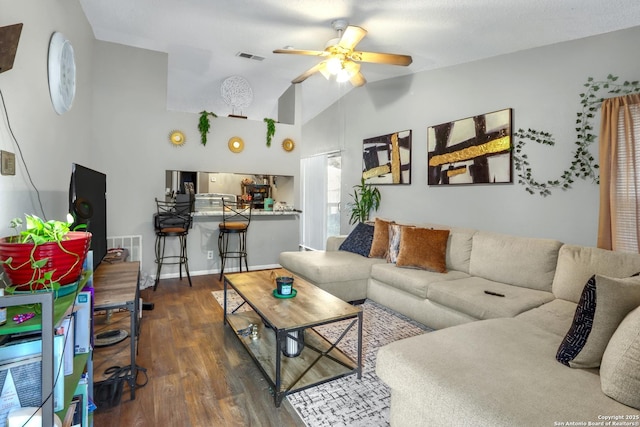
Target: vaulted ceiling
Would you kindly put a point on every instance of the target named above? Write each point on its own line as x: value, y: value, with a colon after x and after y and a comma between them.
x: 203, y: 40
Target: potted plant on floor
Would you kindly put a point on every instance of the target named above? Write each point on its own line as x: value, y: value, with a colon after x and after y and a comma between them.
x: 365, y: 198
x: 46, y: 256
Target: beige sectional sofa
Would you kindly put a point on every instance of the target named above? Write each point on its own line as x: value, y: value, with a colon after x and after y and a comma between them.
x: 492, y: 360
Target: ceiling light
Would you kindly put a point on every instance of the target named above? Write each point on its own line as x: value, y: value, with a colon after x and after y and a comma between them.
x: 334, y: 65
x: 349, y: 69
x: 342, y: 76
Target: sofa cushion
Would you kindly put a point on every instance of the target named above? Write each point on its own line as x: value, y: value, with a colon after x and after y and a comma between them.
x: 380, y: 244
x: 555, y: 316
x: 334, y: 242
x: 423, y: 248
x: 520, y: 261
x: 604, y: 303
x: 620, y: 368
x: 414, y: 282
x: 499, y: 372
x: 576, y: 264
x: 359, y: 240
x: 330, y: 266
x: 459, y: 249
x: 467, y: 296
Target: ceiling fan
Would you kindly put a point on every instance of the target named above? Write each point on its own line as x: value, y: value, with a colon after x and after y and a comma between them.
x: 342, y: 60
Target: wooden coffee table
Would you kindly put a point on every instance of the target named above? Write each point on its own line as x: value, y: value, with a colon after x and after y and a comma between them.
x: 280, y: 320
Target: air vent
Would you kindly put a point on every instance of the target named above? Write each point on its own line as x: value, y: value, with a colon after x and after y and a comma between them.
x: 250, y: 56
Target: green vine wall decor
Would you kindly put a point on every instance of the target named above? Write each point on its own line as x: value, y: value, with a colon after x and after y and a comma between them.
x: 271, y: 129
x: 583, y: 164
x: 204, y: 125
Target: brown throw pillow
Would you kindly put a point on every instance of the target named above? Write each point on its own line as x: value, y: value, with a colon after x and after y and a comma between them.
x: 380, y: 244
x: 423, y: 248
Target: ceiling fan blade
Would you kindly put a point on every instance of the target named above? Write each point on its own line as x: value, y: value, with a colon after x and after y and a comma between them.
x: 382, y: 58
x: 358, y: 80
x: 311, y: 71
x: 324, y: 70
x: 302, y: 52
x: 352, y: 36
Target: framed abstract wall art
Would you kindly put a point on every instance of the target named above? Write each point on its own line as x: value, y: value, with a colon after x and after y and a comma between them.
x: 386, y: 159
x: 475, y: 150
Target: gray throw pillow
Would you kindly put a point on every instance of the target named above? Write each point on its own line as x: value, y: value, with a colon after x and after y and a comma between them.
x: 620, y: 368
x: 604, y: 302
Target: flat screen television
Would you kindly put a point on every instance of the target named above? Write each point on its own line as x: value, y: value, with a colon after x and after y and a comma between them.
x: 88, y: 205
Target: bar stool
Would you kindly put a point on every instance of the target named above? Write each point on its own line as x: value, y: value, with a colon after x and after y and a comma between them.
x: 173, y: 219
x: 236, y: 217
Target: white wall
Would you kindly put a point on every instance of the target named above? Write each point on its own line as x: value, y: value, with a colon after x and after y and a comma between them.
x: 49, y: 142
x: 541, y: 85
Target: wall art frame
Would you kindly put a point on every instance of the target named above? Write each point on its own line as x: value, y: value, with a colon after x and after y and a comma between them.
x: 474, y: 150
x: 386, y: 159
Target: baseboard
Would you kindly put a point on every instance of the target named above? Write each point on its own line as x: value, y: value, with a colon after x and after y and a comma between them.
x: 217, y: 271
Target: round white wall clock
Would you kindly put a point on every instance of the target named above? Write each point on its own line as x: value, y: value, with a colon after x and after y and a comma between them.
x: 62, y: 73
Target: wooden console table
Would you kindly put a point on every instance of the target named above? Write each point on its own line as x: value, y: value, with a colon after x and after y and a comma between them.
x: 117, y: 286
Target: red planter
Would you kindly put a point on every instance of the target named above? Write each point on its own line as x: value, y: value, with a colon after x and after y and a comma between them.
x: 66, y: 267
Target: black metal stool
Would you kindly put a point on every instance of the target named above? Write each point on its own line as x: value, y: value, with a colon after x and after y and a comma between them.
x: 236, y: 217
x: 172, y: 219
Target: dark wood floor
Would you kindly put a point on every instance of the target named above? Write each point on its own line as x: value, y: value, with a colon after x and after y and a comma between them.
x: 199, y: 373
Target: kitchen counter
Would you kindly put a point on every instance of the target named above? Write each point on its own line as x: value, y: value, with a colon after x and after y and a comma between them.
x: 254, y: 212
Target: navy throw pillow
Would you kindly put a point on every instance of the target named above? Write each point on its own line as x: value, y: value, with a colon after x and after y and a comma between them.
x: 359, y: 240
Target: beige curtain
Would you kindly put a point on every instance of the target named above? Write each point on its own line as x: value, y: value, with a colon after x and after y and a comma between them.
x: 619, y: 174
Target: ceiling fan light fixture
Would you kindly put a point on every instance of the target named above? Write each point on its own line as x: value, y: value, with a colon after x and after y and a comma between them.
x: 343, y: 76
x: 349, y: 69
x: 331, y: 43
x: 340, y: 58
x: 324, y: 71
x: 334, y: 65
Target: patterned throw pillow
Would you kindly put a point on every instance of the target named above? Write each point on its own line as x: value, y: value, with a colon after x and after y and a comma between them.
x: 394, y: 242
x: 604, y: 302
x: 359, y: 240
x: 423, y: 248
x: 380, y: 245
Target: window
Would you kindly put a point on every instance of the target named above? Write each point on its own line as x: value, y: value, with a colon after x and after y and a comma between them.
x: 619, y: 223
x: 321, y: 182
x: 627, y: 206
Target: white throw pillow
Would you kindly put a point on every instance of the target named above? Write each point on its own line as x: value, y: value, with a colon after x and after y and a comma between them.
x: 620, y: 368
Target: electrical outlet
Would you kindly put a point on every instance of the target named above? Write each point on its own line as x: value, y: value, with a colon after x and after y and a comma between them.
x: 8, y: 163
x: 209, y: 254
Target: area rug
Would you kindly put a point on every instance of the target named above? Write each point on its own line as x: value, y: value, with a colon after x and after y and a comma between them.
x: 350, y: 401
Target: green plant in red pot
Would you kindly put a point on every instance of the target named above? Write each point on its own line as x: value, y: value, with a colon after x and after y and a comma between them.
x: 45, y: 256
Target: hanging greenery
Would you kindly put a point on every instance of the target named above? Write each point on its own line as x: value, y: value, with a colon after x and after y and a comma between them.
x: 271, y: 130
x: 583, y: 164
x: 204, y: 125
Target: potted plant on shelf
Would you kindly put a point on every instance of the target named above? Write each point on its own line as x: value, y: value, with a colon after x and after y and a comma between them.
x: 46, y: 256
x: 365, y: 198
